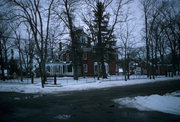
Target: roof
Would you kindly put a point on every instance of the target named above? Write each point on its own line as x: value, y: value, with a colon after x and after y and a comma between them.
x: 60, y: 63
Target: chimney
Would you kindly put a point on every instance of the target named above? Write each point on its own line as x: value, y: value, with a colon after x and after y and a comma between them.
x: 60, y: 46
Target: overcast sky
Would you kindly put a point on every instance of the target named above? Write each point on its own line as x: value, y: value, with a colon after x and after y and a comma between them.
x: 136, y: 14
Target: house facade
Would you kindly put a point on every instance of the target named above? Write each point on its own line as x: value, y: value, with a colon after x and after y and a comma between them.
x: 88, y: 65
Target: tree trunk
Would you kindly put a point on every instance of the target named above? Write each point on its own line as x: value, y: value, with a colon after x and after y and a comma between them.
x: 125, y: 64
x: 179, y: 55
x: 99, y: 69
x: 5, y: 55
x: 31, y: 68
x: 74, y: 55
x: 173, y: 63
x: 103, y: 68
x: 2, y: 62
x: 152, y: 61
x: 156, y: 57
x: 75, y: 69
x: 42, y: 73
x: 125, y: 72
x: 32, y: 77
x: 104, y: 75
x: 147, y: 46
x: 21, y: 73
x: 128, y: 75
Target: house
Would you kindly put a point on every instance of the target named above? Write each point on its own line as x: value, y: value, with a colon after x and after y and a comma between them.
x: 134, y: 68
x: 140, y: 68
x: 5, y: 73
x: 88, y: 65
x: 160, y: 69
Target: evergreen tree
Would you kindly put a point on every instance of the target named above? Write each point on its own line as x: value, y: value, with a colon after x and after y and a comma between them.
x: 104, y: 38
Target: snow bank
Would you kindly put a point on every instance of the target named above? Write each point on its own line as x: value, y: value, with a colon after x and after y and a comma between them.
x: 169, y: 103
x: 62, y: 116
x: 70, y: 85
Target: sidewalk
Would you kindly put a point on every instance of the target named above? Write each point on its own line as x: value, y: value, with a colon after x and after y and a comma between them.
x: 68, y: 84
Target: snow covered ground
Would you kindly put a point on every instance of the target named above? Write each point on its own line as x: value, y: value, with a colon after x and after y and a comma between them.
x: 168, y: 103
x: 68, y: 84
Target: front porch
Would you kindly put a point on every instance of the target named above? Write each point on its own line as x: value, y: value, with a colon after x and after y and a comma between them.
x: 59, y: 69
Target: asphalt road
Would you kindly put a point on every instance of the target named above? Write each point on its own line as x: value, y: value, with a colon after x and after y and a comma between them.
x: 84, y: 106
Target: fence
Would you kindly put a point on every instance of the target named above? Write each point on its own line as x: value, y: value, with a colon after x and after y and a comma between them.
x: 18, y: 80
x: 69, y: 80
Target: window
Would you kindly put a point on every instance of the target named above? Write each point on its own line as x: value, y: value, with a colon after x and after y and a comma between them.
x: 69, y: 68
x: 67, y: 57
x: 85, y: 40
x: 85, y: 56
x: 107, y: 56
x: 82, y: 39
x: 85, y: 67
x: 60, y: 70
x: 57, y: 69
x: 95, y: 69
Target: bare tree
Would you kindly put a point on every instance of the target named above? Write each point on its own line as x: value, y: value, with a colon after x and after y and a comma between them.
x: 171, y: 31
x: 160, y: 25
x: 5, y: 32
x: 18, y: 46
x: 152, y: 12
x: 146, y: 8
x: 67, y: 15
x: 126, y: 42
x: 32, y: 12
x: 29, y: 53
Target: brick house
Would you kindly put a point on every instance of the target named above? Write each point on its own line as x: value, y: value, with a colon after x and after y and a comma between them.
x: 160, y: 69
x: 140, y: 68
x: 88, y: 65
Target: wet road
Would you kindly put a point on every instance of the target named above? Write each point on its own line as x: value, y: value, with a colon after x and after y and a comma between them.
x: 84, y: 106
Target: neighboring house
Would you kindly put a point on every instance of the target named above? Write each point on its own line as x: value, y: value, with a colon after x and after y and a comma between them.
x: 88, y: 65
x: 140, y: 68
x: 160, y: 69
x: 120, y: 71
x: 134, y: 68
x: 164, y: 69
x: 5, y: 73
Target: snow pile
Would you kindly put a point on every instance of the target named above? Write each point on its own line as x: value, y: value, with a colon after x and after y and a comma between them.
x: 72, y: 85
x: 63, y: 117
x: 168, y: 103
